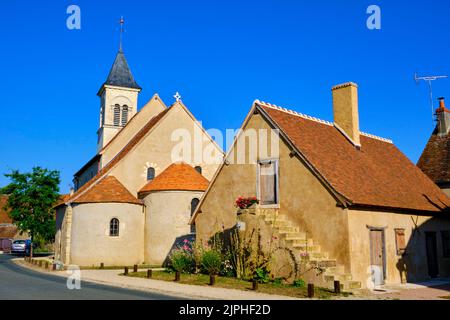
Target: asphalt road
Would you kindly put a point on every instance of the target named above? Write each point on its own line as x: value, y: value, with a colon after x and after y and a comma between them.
x: 18, y: 283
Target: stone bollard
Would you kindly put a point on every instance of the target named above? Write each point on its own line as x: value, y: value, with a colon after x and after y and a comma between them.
x: 337, y: 287
x: 310, y: 290
x: 135, y: 268
x: 125, y: 271
x: 149, y: 273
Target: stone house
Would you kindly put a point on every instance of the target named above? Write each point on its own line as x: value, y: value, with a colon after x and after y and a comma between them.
x: 351, y: 202
x: 8, y: 230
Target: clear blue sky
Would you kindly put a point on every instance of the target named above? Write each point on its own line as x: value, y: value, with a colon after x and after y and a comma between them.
x: 220, y: 55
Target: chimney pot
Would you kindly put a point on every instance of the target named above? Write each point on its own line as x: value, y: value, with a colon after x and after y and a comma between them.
x: 345, y: 109
x: 443, y: 118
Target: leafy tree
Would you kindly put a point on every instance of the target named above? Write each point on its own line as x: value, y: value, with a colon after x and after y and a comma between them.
x: 31, y: 199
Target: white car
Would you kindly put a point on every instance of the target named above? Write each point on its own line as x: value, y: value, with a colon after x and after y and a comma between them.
x: 19, y: 246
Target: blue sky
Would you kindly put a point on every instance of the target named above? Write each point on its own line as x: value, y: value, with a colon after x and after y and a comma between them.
x: 220, y: 55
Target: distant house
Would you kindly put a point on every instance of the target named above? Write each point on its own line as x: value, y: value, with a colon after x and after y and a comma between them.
x: 8, y: 230
x: 435, y: 159
x: 351, y: 201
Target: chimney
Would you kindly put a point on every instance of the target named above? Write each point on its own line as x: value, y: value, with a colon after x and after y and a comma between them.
x: 345, y: 109
x: 443, y: 118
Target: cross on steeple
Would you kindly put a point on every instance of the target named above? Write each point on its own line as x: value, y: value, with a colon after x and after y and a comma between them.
x: 122, y: 22
x: 177, y: 96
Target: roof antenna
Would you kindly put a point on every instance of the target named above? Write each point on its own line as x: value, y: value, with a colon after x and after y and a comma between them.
x: 429, y: 79
x: 122, y: 21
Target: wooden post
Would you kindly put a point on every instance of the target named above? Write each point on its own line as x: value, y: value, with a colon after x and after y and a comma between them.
x: 177, y: 276
x: 149, y: 273
x: 212, y: 279
x: 337, y: 287
x: 40, y: 263
x: 125, y: 271
x: 310, y: 290
x: 102, y: 265
x: 46, y: 265
x: 255, y: 285
x: 135, y: 268
x: 54, y: 267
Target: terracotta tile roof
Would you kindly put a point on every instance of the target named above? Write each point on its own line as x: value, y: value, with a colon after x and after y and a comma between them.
x: 4, y: 216
x: 178, y: 176
x: 107, y: 189
x: 133, y: 142
x: 378, y: 175
x: 435, y: 159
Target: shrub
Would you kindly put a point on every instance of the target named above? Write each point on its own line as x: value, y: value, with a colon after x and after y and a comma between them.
x: 262, y: 275
x: 299, y: 283
x: 212, y: 262
x: 182, y: 261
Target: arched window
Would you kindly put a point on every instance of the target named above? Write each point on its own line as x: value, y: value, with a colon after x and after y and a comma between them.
x: 124, y: 115
x: 114, y: 227
x: 194, y: 204
x: 150, y: 174
x: 116, y: 115
x: 198, y: 169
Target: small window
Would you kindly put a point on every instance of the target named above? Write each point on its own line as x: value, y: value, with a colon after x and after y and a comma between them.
x: 194, y: 204
x: 124, y: 115
x: 114, y: 227
x: 268, y: 182
x: 400, y: 241
x: 445, y: 243
x: 116, y: 115
x: 198, y: 169
x: 150, y: 174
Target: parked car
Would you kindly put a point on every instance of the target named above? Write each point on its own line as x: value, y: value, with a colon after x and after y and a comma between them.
x: 19, y: 246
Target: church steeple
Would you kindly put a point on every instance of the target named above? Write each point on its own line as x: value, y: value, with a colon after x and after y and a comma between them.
x: 119, y: 97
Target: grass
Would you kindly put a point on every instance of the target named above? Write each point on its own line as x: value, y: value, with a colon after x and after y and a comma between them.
x: 141, y: 266
x: 234, y: 283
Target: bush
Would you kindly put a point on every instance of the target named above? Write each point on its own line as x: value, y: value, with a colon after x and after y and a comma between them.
x: 182, y: 261
x: 262, y: 275
x: 212, y: 262
x: 299, y: 283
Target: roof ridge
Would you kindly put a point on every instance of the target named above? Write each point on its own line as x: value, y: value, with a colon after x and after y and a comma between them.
x: 294, y: 113
x: 376, y: 137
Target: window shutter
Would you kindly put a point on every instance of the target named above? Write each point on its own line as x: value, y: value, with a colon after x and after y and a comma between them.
x: 124, y: 115
x: 400, y: 241
x: 116, y: 115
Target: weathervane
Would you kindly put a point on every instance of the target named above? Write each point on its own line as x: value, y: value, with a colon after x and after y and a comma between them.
x: 177, y: 96
x: 122, y: 22
x: 429, y: 79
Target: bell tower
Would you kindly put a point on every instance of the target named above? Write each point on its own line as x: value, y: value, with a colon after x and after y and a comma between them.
x: 119, y: 99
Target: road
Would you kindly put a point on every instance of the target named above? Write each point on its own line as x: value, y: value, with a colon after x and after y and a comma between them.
x: 18, y: 283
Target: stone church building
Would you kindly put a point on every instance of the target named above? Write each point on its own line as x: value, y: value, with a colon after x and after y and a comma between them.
x: 133, y: 200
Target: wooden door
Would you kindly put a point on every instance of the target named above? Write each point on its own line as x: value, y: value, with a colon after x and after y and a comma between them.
x: 432, y: 259
x: 377, y: 256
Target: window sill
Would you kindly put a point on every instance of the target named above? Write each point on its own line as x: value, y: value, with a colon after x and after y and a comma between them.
x: 269, y: 206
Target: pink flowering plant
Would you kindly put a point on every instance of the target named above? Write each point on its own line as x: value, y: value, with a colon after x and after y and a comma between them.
x: 245, y: 203
x: 182, y: 258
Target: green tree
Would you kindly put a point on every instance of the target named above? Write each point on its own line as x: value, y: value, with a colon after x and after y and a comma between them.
x: 31, y: 199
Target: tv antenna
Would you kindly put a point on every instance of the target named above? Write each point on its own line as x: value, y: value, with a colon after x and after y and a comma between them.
x: 429, y: 80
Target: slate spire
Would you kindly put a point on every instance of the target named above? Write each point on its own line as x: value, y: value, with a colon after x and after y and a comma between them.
x: 120, y: 74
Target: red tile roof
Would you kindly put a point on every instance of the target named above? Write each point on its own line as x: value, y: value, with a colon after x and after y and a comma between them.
x: 178, y: 176
x: 133, y: 142
x: 378, y: 175
x: 435, y: 159
x: 4, y: 216
x: 105, y: 190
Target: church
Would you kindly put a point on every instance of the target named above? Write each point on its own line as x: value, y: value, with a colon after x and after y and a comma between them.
x: 132, y: 201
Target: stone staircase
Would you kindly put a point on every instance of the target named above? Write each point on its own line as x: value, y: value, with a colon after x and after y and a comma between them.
x: 299, y: 243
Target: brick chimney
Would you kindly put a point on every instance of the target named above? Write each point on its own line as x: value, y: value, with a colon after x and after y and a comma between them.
x: 443, y: 118
x: 345, y: 109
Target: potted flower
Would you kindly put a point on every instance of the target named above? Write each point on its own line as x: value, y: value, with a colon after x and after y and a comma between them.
x: 244, y: 204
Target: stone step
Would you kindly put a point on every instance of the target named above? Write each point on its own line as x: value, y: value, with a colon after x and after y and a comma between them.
x: 295, y: 236
x: 350, y: 285
x: 308, y: 247
x: 317, y: 255
x: 289, y: 229
x: 337, y: 277
x: 323, y: 263
x: 282, y: 223
x: 299, y: 242
x: 340, y: 269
